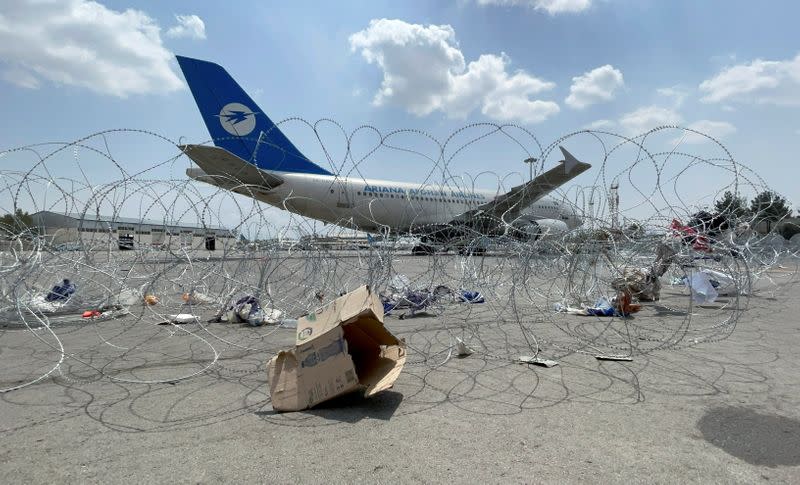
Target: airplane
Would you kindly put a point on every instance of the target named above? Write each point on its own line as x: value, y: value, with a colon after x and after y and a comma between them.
x: 251, y: 156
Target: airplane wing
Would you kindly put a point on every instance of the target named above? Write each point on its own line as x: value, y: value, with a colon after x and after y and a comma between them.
x: 508, y: 206
x: 223, y: 168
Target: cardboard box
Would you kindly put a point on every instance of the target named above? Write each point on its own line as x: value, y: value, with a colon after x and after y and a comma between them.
x: 342, y: 347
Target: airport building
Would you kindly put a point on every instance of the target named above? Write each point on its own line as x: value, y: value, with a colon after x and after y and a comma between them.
x: 78, y: 231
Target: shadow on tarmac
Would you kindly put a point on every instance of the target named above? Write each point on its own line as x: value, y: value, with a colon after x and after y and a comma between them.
x: 352, y: 408
x: 759, y: 439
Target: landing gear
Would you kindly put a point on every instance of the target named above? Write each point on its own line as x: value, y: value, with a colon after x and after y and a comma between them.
x: 471, y: 251
x: 422, y: 249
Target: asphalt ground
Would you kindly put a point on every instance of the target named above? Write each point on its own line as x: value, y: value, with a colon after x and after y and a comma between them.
x: 701, y: 400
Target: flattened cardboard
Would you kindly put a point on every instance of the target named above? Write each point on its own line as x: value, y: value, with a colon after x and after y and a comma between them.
x: 342, y: 347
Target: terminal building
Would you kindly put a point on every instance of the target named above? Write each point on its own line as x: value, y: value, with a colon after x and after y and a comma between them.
x: 79, y: 231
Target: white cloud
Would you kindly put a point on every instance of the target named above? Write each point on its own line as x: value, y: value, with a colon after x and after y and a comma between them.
x: 760, y: 82
x: 601, y: 125
x: 676, y: 94
x: 425, y: 71
x: 714, y: 129
x: 595, y: 86
x: 552, y: 7
x: 190, y: 26
x: 20, y: 77
x: 649, y: 117
x: 83, y: 43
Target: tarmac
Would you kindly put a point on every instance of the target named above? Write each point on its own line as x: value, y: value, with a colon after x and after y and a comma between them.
x: 725, y: 411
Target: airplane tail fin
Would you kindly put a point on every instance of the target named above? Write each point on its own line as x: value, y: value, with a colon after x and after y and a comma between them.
x: 237, y: 124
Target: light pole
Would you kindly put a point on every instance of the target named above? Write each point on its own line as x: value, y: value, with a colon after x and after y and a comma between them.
x: 530, y: 162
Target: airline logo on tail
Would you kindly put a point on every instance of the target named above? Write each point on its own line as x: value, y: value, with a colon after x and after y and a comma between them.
x: 237, y: 119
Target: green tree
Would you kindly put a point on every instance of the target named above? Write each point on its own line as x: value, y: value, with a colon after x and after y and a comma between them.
x: 731, y: 207
x: 14, y: 224
x: 769, y: 206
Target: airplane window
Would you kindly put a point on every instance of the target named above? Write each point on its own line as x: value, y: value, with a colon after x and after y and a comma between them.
x: 391, y: 195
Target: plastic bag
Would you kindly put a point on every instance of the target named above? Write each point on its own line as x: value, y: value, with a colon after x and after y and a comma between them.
x: 702, y: 289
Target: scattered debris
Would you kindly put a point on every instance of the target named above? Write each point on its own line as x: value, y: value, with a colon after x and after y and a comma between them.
x: 182, y: 318
x: 461, y: 348
x: 702, y: 290
x: 644, y: 283
x: 197, y: 298
x: 622, y: 358
x: 528, y: 359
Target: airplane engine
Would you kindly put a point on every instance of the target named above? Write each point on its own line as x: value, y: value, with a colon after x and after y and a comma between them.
x: 540, y: 229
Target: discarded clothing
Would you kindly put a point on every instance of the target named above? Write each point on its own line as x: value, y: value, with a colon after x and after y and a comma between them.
x: 248, y: 310
x: 623, y: 306
x: 61, y: 292
x: 601, y: 308
x: 471, y: 297
x: 264, y: 316
x: 401, y: 294
x: 241, y: 310
x: 690, y: 236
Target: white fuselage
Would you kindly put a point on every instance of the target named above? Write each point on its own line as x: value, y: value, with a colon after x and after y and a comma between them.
x: 380, y: 205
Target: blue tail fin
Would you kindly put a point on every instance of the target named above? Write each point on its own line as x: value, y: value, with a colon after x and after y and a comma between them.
x: 237, y: 124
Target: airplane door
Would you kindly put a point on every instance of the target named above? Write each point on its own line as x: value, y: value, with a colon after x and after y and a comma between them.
x: 344, y: 198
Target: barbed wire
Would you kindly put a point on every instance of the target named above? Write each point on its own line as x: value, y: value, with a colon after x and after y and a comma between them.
x: 534, y: 289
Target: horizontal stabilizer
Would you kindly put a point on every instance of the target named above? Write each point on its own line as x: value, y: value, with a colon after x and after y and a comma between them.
x: 221, y: 164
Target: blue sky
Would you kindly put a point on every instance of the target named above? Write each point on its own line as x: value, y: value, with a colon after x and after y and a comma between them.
x: 728, y: 68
